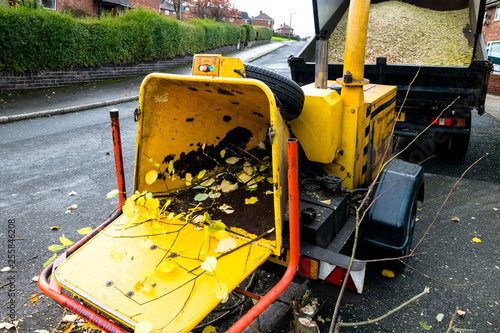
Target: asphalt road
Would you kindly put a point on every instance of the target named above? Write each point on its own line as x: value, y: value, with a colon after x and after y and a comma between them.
x: 43, y: 160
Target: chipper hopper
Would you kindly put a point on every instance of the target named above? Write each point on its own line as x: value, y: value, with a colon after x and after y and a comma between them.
x: 219, y: 154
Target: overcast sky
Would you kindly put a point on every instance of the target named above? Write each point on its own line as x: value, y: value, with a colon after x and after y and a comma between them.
x: 280, y: 10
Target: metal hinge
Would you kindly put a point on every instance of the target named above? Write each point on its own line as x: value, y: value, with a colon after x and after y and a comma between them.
x: 137, y: 113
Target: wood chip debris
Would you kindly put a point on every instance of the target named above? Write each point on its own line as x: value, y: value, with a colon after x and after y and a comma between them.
x: 407, y: 34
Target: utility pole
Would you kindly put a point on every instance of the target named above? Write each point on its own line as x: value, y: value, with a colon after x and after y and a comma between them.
x: 290, y: 30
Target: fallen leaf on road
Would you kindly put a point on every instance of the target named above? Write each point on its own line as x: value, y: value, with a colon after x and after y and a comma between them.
x: 72, y: 193
x: 439, y: 317
x: 476, y: 240
x: 7, y: 326
x: 425, y: 326
x: 388, y: 273
x: 85, y: 231
x: 455, y: 219
x: 33, y: 299
x: 64, y: 241
x: 70, y: 318
x: 494, y: 208
x: 461, y: 313
x: 75, y: 206
x: 55, y: 227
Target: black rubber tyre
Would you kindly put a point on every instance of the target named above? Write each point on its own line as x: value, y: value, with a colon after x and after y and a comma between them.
x: 459, y: 144
x: 454, y: 146
x: 287, y: 91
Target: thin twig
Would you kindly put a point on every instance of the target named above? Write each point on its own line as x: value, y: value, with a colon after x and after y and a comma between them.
x: 362, y: 323
x: 444, y: 203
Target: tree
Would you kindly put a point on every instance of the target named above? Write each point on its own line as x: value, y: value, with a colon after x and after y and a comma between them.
x: 213, y: 9
x: 176, y: 4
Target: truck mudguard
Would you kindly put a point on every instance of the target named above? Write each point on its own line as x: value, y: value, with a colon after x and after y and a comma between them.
x: 391, y: 217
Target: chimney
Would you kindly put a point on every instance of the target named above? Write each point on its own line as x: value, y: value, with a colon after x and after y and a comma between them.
x: 261, y: 12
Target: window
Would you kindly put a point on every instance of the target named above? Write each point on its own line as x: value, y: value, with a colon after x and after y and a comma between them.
x: 48, y: 4
x: 167, y: 12
x: 231, y: 19
x: 493, y: 50
x: 497, y: 14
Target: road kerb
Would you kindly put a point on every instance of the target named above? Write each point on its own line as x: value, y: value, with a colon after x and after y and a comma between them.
x: 69, y: 109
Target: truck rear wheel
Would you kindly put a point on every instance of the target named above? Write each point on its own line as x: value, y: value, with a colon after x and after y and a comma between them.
x: 454, y: 146
x: 287, y: 91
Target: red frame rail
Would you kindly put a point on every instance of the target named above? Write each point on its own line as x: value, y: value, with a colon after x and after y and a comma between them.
x: 293, y: 200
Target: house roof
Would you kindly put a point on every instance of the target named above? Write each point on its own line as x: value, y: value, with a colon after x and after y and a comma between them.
x: 263, y: 16
x: 122, y: 3
x: 285, y: 26
x: 244, y: 15
x: 164, y: 5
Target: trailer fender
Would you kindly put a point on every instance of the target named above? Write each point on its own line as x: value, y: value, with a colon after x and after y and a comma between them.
x: 391, y: 218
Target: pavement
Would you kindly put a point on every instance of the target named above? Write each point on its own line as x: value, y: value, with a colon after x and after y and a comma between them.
x: 22, y: 106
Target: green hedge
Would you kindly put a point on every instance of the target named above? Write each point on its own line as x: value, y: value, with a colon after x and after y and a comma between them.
x: 37, y: 39
x: 263, y: 33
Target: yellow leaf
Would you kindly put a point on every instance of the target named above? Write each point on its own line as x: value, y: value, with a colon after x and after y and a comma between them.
x: 225, y: 245
x: 476, y: 240
x: 171, y: 166
x: 209, y: 264
x: 143, y: 327
x: 170, y: 216
x: 209, y: 329
x: 33, y: 298
x: 201, y: 174
x: 54, y: 227
x: 388, y: 273
x: 64, y: 241
x: 167, y: 267
x: 203, y: 146
x: 226, y: 186
x: 222, y: 153
x: 115, y: 255
x: 151, y: 176
x: 251, y: 201
x: 232, y: 160
x: 152, y: 204
x: 129, y: 207
x: 153, y: 161
x: 85, y: 231
x: 270, y: 180
x: 221, y: 234
x: 220, y: 291
x: 147, y: 288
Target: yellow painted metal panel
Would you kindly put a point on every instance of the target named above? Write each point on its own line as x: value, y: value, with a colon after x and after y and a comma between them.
x: 318, y: 127
x: 117, y: 263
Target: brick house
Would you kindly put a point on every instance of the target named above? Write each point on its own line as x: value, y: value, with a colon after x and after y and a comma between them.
x: 263, y: 20
x: 491, y: 36
x: 97, y: 7
x: 168, y: 9
x: 285, y: 29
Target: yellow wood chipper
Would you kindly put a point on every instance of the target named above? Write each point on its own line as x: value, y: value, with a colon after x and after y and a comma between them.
x: 236, y: 167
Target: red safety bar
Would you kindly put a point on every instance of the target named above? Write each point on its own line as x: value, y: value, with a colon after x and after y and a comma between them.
x: 117, y: 147
x: 293, y: 200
